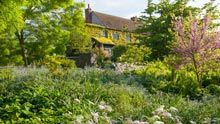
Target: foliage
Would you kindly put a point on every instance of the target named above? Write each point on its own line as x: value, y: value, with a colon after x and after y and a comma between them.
x: 6, y: 74
x: 40, y: 28
x: 131, y: 53
x: 8, y: 50
x: 154, y: 76
x: 197, y: 46
x: 212, y: 77
x: 33, y: 96
x: 214, y: 89
x: 160, y: 76
x: 117, y: 51
x: 102, y: 58
x: 58, y: 65
x: 158, y: 26
x: 97, y: 31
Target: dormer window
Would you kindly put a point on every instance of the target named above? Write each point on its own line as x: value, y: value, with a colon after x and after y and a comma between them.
x: 115, y: 36
x: 105, y: 34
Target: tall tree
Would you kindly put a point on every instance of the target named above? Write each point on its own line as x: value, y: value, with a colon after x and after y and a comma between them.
x: 45, y: 26
x: 10, y: 21
x: 157, y: 23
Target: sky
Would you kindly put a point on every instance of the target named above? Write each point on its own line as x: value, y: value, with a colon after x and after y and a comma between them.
x: 127, y: 8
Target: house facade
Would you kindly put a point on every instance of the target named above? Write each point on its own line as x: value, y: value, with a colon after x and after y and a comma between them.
x: 108, y: 30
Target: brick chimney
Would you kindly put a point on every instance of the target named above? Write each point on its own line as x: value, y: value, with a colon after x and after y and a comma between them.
x: 88, y: 14
x: 135, y: 18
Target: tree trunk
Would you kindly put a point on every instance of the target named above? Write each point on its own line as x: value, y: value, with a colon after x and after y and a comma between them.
x: 196, y: 70
x: 20, y: 36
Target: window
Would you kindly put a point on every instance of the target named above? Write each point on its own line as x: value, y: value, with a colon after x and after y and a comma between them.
x: 128, y: 37
x: 115, y: 36
x: 105, y: 33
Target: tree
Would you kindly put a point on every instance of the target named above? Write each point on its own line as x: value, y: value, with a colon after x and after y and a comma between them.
x: 10, y: 21
x: 45, y: 27
x: 197, y: 46
x: 157, y: 23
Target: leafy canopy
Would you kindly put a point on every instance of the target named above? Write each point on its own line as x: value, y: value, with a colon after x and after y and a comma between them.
x: 157, y: 23
x: 42, y: 27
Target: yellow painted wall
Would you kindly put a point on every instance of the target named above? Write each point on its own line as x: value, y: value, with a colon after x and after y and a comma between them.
x: 96, y: 31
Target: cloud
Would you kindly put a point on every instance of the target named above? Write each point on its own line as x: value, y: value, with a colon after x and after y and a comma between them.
x: 123, y: 8
x: 127, y: 8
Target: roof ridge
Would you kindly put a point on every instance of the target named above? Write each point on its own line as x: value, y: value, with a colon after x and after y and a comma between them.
x: 113, y: 16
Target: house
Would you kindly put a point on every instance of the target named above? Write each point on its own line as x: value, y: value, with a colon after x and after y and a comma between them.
x: 108, y: 30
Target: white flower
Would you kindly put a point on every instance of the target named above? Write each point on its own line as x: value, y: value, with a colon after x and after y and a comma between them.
x: 192, y: 122
x: 158, y: 122
x: 207, y: 121
x: 177, y: 118
x: 95, y: 116
x: 70, y: 113
x: 159, y: 110
x: 108, y: 108
x: 102, y: 107
x: 143, y: 123
x: 79, y: 119
x: 156, y: 117
x: 173, y: 109
x: 136, y: 122
x: 167, y: 114
x: 77, y: 100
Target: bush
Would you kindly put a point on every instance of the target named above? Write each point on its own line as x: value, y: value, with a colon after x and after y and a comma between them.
x: 154, y: 76
x: 6, y: 74
x: 214, y: 89
x: 118, y: 51
x: 92, y: 95
x: 212, y: 77
x: 160, y: 76
x: 101, y: 57
x: 135, y: 54
x: 58, y: 65
x: 131, y: 53
x: 44, y: 99
x: 184, y: 83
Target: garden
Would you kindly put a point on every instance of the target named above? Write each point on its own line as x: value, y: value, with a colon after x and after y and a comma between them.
x: 171, y: 76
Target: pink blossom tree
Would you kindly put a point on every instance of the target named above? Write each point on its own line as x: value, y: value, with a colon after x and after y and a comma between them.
x: 196, y: 45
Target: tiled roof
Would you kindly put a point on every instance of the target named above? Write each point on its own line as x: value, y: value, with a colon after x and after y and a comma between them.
x: 117, y: 23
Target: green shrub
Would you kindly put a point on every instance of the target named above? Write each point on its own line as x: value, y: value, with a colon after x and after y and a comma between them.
x: 184, y: 83
x: 118, y: 51
x: 102, y: 57
x: 212, y: 77
x: 160, y: 76
x: 58, y: 65
x: 6, y: 74
x: 135, y: 54
x: 131, y: 53
x: 214, y: 89
x: 46, y: 99
x: 154, y: 76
